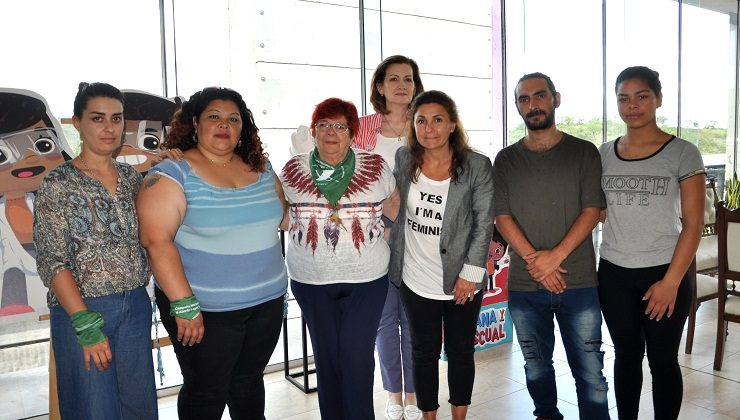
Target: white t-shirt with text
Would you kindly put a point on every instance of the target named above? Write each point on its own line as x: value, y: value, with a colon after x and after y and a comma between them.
x: 422, y: 263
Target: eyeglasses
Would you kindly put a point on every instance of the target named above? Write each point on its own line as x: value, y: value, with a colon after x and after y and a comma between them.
x: 13, y: 146
x: 339, y: 128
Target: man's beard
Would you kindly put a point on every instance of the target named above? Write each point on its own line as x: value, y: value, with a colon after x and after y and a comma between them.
x: 548, y: 122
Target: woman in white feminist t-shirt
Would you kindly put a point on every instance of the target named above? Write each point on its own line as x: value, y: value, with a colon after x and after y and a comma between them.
x: 439, y: 247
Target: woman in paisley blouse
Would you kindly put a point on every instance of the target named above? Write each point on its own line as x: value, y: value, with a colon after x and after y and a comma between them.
x: 337, y: 257
x: 86, y: 234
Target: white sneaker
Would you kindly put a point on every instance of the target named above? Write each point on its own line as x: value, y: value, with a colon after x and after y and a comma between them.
x: 411, y: 412
x: 393, y: 411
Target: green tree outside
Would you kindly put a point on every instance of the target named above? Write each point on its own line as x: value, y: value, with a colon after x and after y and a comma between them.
x: 709, y: 139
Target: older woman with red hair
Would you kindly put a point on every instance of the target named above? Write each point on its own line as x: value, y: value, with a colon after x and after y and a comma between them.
x: 337, y: 257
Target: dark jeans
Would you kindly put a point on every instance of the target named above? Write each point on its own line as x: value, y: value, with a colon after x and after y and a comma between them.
x: 428, y: 318
x: 620, y: 291
x: 227, y: 367
x: 579, y: 321
x: 342, y: 319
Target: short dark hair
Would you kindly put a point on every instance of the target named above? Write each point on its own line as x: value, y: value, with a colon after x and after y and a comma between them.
x: 334, y: 107
x: 376, y: 99
x: 87, y: 91
x: 538, y: 75
x: 181, y: 136
x: 647, y: 75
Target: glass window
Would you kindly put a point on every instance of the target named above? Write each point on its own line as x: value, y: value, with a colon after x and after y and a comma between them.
x: 707, y: 95
x: 564, y: 41
x: 56, y: 46
x: 438, y: 31
x: 636, y: 37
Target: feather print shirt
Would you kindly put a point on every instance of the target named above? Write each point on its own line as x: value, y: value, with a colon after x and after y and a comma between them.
x: 346, y: 247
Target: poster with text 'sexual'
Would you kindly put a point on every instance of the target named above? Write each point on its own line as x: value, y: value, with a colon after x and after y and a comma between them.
x: 494, y: 324
x: 494, y: 327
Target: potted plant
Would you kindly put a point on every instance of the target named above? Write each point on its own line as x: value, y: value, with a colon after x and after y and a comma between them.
x: 732, y: 193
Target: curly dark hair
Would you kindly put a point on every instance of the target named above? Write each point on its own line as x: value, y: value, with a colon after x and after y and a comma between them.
x: 181, y: 135
x: 458, y: 138
x: 376, y: 99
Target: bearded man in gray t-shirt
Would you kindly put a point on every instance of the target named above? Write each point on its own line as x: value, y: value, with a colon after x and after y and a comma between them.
x: 547, y: 199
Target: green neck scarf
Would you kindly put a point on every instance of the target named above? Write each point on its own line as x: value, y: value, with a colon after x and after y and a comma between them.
x: 332, y: 180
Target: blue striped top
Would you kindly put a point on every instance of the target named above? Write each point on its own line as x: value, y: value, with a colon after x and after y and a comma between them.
x: 228, y: 240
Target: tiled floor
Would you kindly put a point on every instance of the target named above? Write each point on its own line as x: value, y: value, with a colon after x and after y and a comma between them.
x: 500, y: 392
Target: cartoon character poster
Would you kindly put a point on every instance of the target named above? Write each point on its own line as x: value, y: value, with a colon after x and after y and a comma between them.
x: 494, y: 324
x: 147, y: 118
x: 32, y: 143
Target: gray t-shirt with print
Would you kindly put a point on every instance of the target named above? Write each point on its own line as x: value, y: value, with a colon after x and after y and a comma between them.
x: 545, y: 192
x: 643, y: 202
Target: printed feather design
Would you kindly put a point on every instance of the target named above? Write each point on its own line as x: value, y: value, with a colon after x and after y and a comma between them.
x: 298, y: 177
x: 358, y: 236
x: 297, y: 227
x: 312, y: 236
x: 375, y: 226
x: 367, y: 172
x: 331, y: 233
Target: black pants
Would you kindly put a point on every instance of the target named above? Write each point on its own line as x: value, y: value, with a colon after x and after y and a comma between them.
x: 620, y: 292
x: 428, y: 318
x: 227, y: 366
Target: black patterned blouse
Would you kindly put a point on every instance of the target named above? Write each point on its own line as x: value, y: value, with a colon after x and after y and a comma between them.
x: 79, y: 226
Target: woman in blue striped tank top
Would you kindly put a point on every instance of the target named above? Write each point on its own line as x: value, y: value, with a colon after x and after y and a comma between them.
x: 209, y: 223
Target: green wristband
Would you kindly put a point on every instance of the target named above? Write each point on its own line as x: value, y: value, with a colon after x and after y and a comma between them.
x: 186, y: 308
x: 89, y: 327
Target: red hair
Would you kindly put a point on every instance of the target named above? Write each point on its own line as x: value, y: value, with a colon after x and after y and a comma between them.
x: 335, y: 107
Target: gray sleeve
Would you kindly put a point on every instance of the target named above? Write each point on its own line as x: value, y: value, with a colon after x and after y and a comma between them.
x: 482, y: 214
x: 690, y: 162
x: 398, y: 164
x: 591, y: 193
x: 500, y: 190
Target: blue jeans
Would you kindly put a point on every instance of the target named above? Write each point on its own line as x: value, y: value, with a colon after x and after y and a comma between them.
x: 126, y: 389
x: 579, y: 319
x: 342, y: 319
x: 394, y: 345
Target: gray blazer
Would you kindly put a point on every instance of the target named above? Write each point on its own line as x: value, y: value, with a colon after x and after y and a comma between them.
x: 468, y: 219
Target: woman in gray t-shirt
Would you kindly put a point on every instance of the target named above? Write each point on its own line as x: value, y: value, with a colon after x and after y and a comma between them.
x: 654, y: 187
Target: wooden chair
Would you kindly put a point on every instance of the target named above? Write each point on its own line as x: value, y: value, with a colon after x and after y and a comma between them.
x: 728, y: 234
x: 704, y: 287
